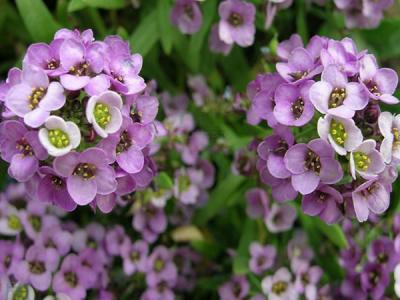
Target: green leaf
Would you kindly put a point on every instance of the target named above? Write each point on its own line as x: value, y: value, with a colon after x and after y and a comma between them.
x: 241, y: 260
x: 301, y: 20
x: 197, y: 40
x: 37, y: 19
x: 236, y: 68
x: 75, y: 5
x: 218, y: 198
x: 163, y: 181
x: 332, y: 232
x: 106, y: 4
x: 165, y: 26
x: 146, y: 35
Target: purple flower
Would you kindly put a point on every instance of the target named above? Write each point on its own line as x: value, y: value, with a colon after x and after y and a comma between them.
x: 279, y: 286
x: 160, y: 266
x: 35, y: 97
x: 11, y: 254
x: 389, y: 127
x: 285, y: 48
x: 383, y: 252
x: 342, y: 134
x: 292, y: 104
x: 125, y: 147
x: 323, y: 202
x: 280, y: 218
x: 298, y: 247
x: 52, y: 188
x: 307, y: 278
x: 374, y: 280
x: 237, y: 22
x: 262, y: 257
x: 21, y: 148
x: 80, y: 63
x: 351, y: 287
x: 54, y: 238
x: 235, y: 289
x: 336, y: 96
x: 150, y: 221
x: 14, y: 77
x: 337, y: 53
x: 379, y: 83
x: 87, y: 174
x: 216, y: 44
x: 37, y: 267
x: 71, y: 279
x: 257, y: 203
x: 185, y: 188
x: 104, y: 113
x: 351, y: 256
x: 366, y: 161
x: 299, y: 67
x: 134, y: 257
x: 45, y: 57
x: 143, y: 109
x: 114, y: 239
x: 370, y: 196
x: 186, y: 15
x: 311, y: 164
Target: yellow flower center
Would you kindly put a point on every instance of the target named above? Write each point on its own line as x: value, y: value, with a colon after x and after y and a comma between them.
x: 361, y: 161
x: 102, y: 115
x: 338, y: 132
x: 58, y: 138
x: 35, y: 97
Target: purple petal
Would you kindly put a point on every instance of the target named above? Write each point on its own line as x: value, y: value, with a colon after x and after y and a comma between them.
x: 82, y: 191
x: 305, y: 183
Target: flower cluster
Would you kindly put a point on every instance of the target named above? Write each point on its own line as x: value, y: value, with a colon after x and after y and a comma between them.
x: 78, y: 120
x: 59, y: 259
x: 302, y: 278
x: 363, y: 14
x: 331, y: 143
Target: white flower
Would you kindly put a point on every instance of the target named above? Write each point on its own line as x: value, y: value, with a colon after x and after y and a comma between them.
x: 10, y: 221
x: 21, y: 291
x: 104, y: 113
x: 342, y: 134
x: 389, y: 127
x: 57, y: 297
x: 59, y: 137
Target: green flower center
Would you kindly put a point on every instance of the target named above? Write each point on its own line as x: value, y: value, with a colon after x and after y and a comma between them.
x: 338, y: 132
x: 135, y: 256
x: 36, y: 222
x: 71, y: 279
x: 337, y: 97
x: 279, y: 287
x: 361, y: 161
x: 159, y: 264
x: 395, y: 132
x: 58, y: 138
x: 102, y: 115
x: 183, y: 183
x: 14, y: 223
x: 35, y: 97
x: 20, y: 293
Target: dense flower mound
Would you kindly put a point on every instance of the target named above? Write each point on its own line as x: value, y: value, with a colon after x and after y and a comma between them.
x: 78, y: 121
x: 43, y: 253
x: 331, y: 142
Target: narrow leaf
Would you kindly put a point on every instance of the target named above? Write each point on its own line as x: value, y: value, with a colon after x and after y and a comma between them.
x: 164, y: 25
x: 241, y: 261
x: 146, y: 35
x: 106, y: 4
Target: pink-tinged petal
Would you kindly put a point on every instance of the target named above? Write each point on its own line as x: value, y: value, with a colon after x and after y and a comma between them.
x: 106, y: 182
x: 331, y: 171
x: 22, y: 168
x: 355, y: 136
x: 360, y: 207
x: 36, y: 117
x: 35, y: 77
x: 82, y: 191
x: 111, y: 98
x: 12, y: 130
x: 320, y: 93
x: 98, y: 85
x: 135, y: 85
x: 285, y: 48
x: 95, y: 57
x: 277, y: 167
x: 389, y: 99
x: 106, y: 203
x: 131, y: 161
x: 321, y: 147
x: 339, y: 149
x: 368, y: 67
x: 352, y: 166
x: 17, y: 99
x: 334, y: 76
x: 305, y: 183
x: 356, y: 98
x: 140, y: 134
x: 41, y: 282
x: 126, y: 185
x: 244, y: 35
x: 38, y: 54
x: 386, y: 149
x: 323, y: 127
x: 116, y: 120
x: 65, y: 165
x: 54, y: 99
x: 224, y: 31
x: 379, y: 200
x: 342, y: 111
x: 311, y: 205
x: 385, y: 123
x: 301, y: 59
x: 71, y: 53
x: 386, y: 80
x: 331, y: 213
x: 367, y: 146
x: 74, y: 83
x: 284, y: 191
x: 95, y: 156
x: 295, y: 157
